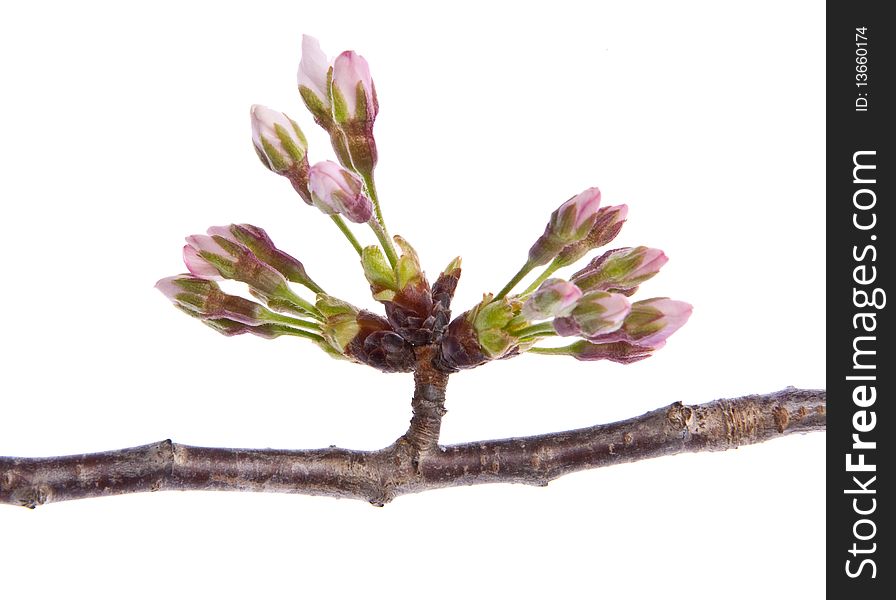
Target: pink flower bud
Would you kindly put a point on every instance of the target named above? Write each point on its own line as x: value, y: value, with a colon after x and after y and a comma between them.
x: 354, y: 96
x: 206, y: 255
x: 281, y: 146
x: 337, y: 191
x: 605, y: 229
x: 313, y: 78
x: 596, y: 313
x: 652, y: 321
x: 574, y: 218
x: 256, y: 240
x: 277, y: 138
x: 204, y: 299
x: 569, y: 223
x: 618, y: 352
x: 554, y: 298
x: 199, y: 266
x: 623, y: 269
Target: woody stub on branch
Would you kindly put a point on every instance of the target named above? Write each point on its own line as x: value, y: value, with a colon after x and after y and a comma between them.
x: 593, y: 315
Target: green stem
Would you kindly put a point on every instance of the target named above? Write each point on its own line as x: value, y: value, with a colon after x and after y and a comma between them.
x: 340, y: 223
x: 284, y: 320
x: 304, y: 305
x: 516, y: 279
x: 312, y: 286
x: 562, y: 350
x: 383, y: 237
x: 302, y: 333
x: 371, y: 193
x: 537, y: 330
x: 541, y: 278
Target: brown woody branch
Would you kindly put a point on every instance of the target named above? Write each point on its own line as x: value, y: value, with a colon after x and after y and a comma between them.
x: 415, y: 462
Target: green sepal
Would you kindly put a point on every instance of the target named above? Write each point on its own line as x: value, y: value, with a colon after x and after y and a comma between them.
x: 340, y: 330
x: 454, y: 265
x: 643, y: 320
x: 377, y: 270
x: 408, y: 267
x: 330, y: 306
x: 321, y: 113
x: 278, y: 162
x: 330, y: 350
x: 295, y: 152
x: 495, y: 342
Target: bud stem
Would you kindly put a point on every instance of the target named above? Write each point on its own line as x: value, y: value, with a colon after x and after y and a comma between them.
x: 371, y: 193
x: 551, y: 268
x: 381, y: 232
x: 537, y: 330
x: 284, y: 320
x: 304, y: 305
x: 383, y: 237
x: 340, y: 223
x: 302, y: 333
x: 308, y: 283
x: 563, y: 350
x: 512, y: 283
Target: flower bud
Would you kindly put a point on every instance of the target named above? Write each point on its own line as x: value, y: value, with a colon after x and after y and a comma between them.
x: 622, y: 270
x: 228, y: 260
x: 337, y: 191
x: 605, y: 229
x: 596, y: 313
x: 259, y: 242
x: 314, y: 78
x: 267, y: 331
x: 354, y: 95
x: 554, y: 298
x: 281, y: 146
x: 354, y: 109
x: 204, y: 299
x: 651, y: 322
x: 569, y: 223
x: 618, y: 352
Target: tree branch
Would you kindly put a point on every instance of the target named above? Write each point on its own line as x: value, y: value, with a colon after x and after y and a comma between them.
x: 411, y: 464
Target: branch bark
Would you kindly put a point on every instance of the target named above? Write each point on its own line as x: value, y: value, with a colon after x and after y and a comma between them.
x: 415, y: 462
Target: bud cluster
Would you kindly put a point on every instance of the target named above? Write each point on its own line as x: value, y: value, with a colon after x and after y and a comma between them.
x: 593, y: 304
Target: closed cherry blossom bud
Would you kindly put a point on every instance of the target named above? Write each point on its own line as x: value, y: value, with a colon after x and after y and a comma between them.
x: 623, y: 269
x: 355, y: 108
x: 281, y: 146
x: 267, y: 331
x: 651, y: 322
x: 203, y: 298
x: 554, y: 298
x: 314, y: 81
x: 259, y: 242
x: 569, y: 223
x: 335, y: 190
x: 618, y: 352
x: 596, y: 313
x: 354, y: 96
x: 606, y: 227
x: 205, y: 255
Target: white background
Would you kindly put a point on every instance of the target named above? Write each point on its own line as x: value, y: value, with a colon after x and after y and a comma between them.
x: 124, y: 127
